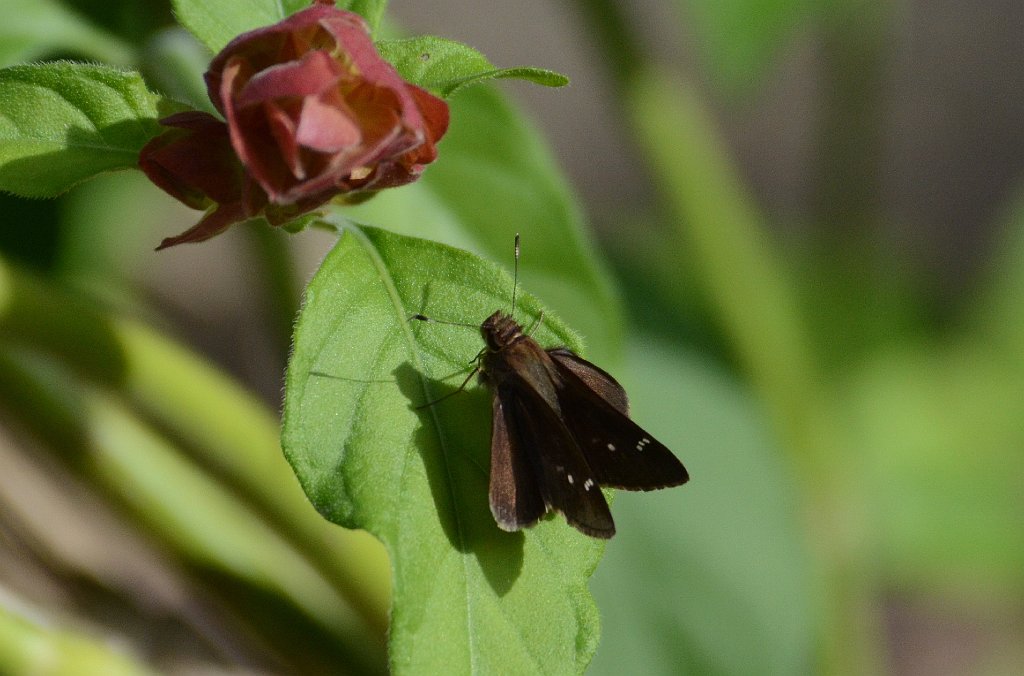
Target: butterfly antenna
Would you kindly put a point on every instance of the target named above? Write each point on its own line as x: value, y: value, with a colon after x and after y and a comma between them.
x: 430, y: 320
x: 515, y: 277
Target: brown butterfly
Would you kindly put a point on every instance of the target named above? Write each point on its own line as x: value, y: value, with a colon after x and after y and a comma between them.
x: 560, y: 432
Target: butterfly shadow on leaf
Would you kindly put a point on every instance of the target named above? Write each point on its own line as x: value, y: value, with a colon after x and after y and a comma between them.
x: 454, y: 443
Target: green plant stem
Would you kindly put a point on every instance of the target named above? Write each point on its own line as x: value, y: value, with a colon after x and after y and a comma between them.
x: 26, y: 647
x: 612, y: 29
x: 755, y: 300
x: 277, y: 274
x: 222, y: 426
x: 182, y: 506
x: 850, y: 133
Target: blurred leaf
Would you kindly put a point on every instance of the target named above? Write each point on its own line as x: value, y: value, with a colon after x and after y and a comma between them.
x: 752, y: 293
x: 188, y: 510
x: 857, y: 298
x: 28, y: 646
x: 941, y: 423
x: 661, y: 288
x: 224, y: 427
x: 495, y: 177
x: 999, y: 311
x: 742, y: 37
x: 714, y: 577
x: 38, y: 246
x: 173, y: 63
x: 97, y: 247
x: 61, y: 123
x: 719, y: 225
x: 468, y: 597
x: 217, y: 22
x: 942, y: 427
x: 371, y: 10
x: 30, y: 29
x: 445, y: 66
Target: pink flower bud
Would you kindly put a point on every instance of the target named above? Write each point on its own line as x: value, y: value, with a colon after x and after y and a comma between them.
x: 312, y: 112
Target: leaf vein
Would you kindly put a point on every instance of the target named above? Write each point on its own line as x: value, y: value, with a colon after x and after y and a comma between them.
x: 400, y: 308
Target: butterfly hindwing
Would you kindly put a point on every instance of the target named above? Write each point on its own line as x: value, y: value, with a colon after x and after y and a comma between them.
x: 565, y: 480
x: 620, y: 453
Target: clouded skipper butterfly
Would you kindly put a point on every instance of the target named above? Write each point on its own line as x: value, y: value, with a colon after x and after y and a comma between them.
x: 560, y: 432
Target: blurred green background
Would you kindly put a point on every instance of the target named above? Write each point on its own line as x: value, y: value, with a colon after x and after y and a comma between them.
x: 813, y: 214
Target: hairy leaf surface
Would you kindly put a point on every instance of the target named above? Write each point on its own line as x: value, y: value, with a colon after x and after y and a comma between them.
x: 468, y: 597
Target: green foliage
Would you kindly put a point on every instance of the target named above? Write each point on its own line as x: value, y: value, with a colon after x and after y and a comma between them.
x: 902, y: 451
x: 33, y: 28
x: 61, y: 123
x: 173, y: 62
x: 741, y: 37
x: 102, y: 390
x: 217, y: 22
x: 436, y: 64
x: 941, y: 426
x: 445, y: 66
x: 685, y: 582
x: 31, y: 647
x: 371, y: 10
x: 716, y: 220
x: 370, y: 454
x: 999, y: 313
x: 515, y: 187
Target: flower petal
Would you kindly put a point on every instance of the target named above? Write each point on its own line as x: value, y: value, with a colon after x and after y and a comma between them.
x: 217, y: 220
x: 194, y: 161
x: 314, y: 73
x: 326, y: 126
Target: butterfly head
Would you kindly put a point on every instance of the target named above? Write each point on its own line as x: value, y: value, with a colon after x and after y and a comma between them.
x: 500, y: 330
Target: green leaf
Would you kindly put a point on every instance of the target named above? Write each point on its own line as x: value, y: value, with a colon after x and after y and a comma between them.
x: 217, y: 22
x: 173, y: 62
x: 371, y: 10
x: 445, y: 66
x: 719, y: 224
x: 61, y: 123
x: 998, y: 312
x: 232, y: 441
x: 741, y: 37
x: 713, y: 577
x: 30, y: 644
x: 941, y: 426
x: 178, y: 503
x: 495, y: 177
x: 30, y: 29
x: 468, y: 597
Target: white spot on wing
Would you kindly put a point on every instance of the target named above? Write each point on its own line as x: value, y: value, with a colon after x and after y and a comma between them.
x: 571, y: 480
x: 611, y: 447
x: 588, y: 484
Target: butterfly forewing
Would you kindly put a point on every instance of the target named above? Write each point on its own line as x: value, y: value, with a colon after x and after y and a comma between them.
x: 594, y: 377
x: 620, y: 453
x: 561, y: 431
x: 565, y: 480
x: 516, y: 501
